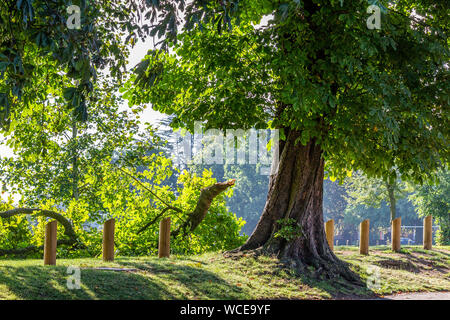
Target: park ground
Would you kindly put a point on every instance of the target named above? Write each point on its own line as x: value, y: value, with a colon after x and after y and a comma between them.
x: 212, y: 276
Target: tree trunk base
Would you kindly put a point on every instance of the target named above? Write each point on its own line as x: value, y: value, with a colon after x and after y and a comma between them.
x: 319, y: 267
x: 291, y: 227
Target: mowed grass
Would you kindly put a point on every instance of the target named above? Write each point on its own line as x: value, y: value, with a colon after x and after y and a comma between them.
x: 212, y: 276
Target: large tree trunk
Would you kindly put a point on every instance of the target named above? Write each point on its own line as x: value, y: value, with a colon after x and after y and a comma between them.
x: 295, y: 192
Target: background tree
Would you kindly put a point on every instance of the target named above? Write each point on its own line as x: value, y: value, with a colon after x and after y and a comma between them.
x: 433, y: 199
x: 380, y: 230
x: 334, y: 205
x: 344, y: 97
x: 372, y: 192
x: 249, y: 195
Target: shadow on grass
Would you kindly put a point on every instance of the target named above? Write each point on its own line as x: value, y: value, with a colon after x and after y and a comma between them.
x: 436, y: 251
x: 191, y: 278
x: 50, y: 283
x: 414, y: 263
x: 340, y: 288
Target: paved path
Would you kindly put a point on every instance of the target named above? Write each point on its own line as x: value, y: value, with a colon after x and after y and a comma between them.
x: 420, y: 296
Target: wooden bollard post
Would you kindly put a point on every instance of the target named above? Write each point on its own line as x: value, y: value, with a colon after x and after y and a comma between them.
x: 108, y: 240
x: 50, y: 243
x: 329, y: 231
x: 164, y: 238
x: 428, y: 232
x: 364, y: 237
x: 396, y: 231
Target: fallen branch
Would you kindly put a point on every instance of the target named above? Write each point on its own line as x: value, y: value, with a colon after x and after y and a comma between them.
x: 204, y: 202
x: 207, y: 195
x: 68, y: 229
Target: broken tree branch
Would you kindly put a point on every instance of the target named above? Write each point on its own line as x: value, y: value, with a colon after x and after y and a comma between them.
x: 153, y: 220
x: 149, y: 190
x: 207, y: 195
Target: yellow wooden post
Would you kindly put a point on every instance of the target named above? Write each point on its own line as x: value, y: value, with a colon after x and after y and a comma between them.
x: 428, y: 232
x: 396, y: 232
x: 50, y: 243
x: 108, y: 240
x: 364, y: 237
x: 329, y: 231
x: 164, y: 238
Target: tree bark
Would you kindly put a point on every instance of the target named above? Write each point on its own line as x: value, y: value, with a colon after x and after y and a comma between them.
x: 392, y: 201
x: 296, y: 192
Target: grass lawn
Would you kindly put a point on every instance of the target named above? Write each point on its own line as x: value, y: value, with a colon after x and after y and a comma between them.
x: 211, y: 276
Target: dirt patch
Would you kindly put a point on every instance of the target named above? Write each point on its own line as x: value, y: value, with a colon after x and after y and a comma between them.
x: 413, y: 262
x: 398, y: 265
x: 429, y: 265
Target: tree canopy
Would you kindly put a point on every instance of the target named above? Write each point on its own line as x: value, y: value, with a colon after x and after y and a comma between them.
x: 373, y: 99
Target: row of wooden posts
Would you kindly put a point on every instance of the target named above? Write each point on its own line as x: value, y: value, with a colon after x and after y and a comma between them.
x: 50, y: 242
x: 164, y: 238
x: 395, y: 232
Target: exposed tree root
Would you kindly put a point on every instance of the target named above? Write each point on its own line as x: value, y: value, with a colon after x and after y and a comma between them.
x: 317, y: 267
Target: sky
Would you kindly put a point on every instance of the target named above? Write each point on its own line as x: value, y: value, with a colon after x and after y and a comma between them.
x: 136, y: 55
